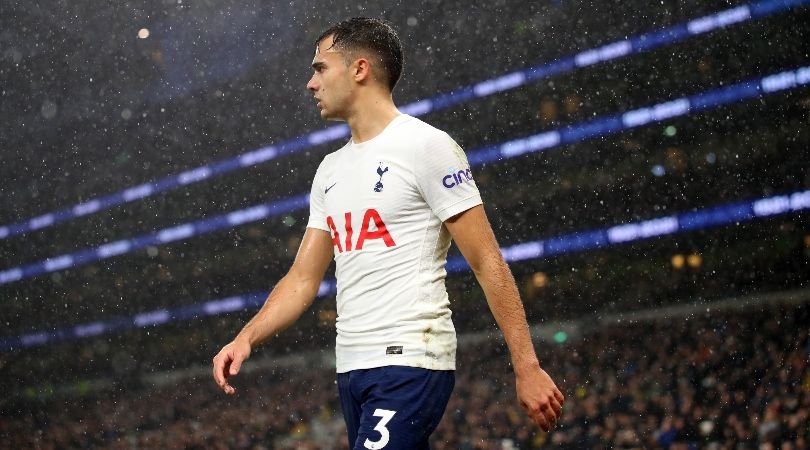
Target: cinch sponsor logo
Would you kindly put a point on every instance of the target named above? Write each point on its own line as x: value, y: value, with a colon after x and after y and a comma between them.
x: 456, y: 177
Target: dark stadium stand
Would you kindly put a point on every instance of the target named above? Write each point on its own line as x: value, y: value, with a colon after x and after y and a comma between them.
x: 730, y: 374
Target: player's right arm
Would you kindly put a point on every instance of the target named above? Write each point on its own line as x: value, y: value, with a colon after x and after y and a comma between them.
x: 289, y: 299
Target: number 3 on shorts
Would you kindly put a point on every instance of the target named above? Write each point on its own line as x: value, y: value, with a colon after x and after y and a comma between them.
x: 380, y: 428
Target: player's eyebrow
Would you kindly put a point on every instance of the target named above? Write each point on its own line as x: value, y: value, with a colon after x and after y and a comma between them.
x: 318, y: 65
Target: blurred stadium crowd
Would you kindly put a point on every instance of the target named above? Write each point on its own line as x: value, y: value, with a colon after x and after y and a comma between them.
x: 77, y: 130
x: 733, y: 379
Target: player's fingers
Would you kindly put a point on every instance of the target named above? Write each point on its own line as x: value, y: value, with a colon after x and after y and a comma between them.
x: 537, y: 416
x: 559, y: 395
x: 221, y: 363
x: 555, y: 406
x: 217, y: 369
x: 531, y: 411
x: 550, y: 416
x: 541, y: 421
x: 236, y: 363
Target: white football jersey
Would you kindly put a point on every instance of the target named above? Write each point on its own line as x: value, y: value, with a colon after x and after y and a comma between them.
x: 384, y: 202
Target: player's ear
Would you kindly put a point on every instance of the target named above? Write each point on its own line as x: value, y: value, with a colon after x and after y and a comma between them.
x: 361, y: 69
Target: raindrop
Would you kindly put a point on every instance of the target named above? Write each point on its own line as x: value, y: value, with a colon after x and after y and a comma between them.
x: 13, y: 54
x: 49, y: 109
x: 126, y: 114
x: 288, y: 220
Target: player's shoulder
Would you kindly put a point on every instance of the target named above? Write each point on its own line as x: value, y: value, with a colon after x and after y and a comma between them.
x: 424, y: 136
x: 332, y: 157
x: 421, y: 129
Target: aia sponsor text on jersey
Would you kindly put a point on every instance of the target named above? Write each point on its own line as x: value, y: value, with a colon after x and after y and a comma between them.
x: 344, y: 244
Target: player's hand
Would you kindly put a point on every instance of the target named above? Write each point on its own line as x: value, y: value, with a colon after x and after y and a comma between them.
x: 228, y: 361
x: 539, y: 397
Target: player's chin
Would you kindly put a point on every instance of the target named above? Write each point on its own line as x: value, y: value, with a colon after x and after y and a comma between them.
x: 330, y: 116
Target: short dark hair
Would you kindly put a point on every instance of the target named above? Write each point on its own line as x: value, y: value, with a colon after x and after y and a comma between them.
x: 374, y: 35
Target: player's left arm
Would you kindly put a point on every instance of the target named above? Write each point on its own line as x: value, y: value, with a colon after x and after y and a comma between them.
x: 537, y: 393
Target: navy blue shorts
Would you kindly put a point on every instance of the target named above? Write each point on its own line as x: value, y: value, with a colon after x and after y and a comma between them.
x: 393, y: 407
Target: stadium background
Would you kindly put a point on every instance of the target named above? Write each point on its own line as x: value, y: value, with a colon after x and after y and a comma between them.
x: 675, y: 331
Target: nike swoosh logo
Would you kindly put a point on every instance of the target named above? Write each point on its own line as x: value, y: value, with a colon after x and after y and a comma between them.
x: 330, y: 187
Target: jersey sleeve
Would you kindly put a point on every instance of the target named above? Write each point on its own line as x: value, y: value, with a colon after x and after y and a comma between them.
x: 317, y: 211
x: 444, y: 177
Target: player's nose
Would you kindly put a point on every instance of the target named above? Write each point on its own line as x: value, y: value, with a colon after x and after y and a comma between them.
x: 312, y: 85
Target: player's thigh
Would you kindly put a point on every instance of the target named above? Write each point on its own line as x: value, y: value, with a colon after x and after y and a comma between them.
x: 403, y: 407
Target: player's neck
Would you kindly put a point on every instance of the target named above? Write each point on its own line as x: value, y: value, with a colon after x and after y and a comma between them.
x: 370, y: 117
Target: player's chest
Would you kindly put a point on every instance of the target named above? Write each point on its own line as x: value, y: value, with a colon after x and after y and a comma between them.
x: 384, y: 183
